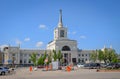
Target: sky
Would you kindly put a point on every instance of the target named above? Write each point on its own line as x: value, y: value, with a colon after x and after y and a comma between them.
x: 30, y: 23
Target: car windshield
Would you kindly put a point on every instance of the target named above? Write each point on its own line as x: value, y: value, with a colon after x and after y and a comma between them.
x: 6, y: 68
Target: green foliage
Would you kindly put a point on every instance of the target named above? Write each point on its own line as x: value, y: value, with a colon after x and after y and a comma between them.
x: 50, y: 57
x: 100, y: 55
x: 93, y: 56
x: 33, y: 58
x: 112, y: 56
x: 54, y: 55
x: 45, y: 55
x: 59, y: 55
x: 40, y: 61
x: 106, y: 55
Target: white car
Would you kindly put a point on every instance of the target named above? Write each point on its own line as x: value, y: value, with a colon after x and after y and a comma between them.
x: 79, y: 65
x: 3, y: 71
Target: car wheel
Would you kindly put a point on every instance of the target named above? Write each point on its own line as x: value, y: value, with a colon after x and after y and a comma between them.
x: 8, y: 71
x: 3, y: 73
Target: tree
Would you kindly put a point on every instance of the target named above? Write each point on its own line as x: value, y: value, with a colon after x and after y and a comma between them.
x: 93, y: 56
x: 54, y: 55
x: 33, y: 58
x: 59, y: 56
x: 112, y: 55
x: 50, y: 57
x: 105, y: 55
x: 40, y: 61
x: 45, y: 55
x: 100, y: 55
x: 115, y: 59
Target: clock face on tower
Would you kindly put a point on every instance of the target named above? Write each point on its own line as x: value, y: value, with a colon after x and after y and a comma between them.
x: 61, y: 33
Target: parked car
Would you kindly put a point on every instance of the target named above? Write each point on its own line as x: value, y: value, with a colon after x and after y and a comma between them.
x: 9, y: 69
x: 80, y: 65
x: 92, y: 65
x: 3, y: 70
x: 113, y: 66
x: 87, y: 65
x: 40, y: 66
x: 103, y: 65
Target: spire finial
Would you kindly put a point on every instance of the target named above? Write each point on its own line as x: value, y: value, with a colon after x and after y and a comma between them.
x: 60, y: 19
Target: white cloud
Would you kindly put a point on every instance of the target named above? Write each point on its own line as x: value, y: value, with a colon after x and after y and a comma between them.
x: 18, y: 41
x: 27, y: 39
x: 73, y: 33
x: 42, y: 26
x: 83, y: 37
x: 39, y: 44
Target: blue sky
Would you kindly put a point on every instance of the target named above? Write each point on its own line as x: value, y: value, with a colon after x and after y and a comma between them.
x: 93, y: 23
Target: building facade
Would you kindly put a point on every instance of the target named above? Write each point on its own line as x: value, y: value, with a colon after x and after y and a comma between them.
x: 68, y: 47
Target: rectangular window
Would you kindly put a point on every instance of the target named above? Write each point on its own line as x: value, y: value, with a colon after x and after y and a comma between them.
x: 82, y: 60
x: 29, y: 55
x: 21, y: 55
x: 79, y: 60
x: 65, y: 55
x: 25, y: 55
x: 29, y: 61
x: 83, y: 55
x: 25, y: 61
x: 13, y: 54
x: 61, y: 33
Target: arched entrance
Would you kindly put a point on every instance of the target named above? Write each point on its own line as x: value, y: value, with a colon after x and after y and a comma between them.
x: 66, y: 48
x: 66, y: 54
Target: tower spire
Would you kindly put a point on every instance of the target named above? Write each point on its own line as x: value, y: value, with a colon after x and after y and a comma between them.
x: 60, y: 19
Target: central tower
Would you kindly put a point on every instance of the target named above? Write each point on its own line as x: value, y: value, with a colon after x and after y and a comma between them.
x: 60, y: 32
x: 61, y: 41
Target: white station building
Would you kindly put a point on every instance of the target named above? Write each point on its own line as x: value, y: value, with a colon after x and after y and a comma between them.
x: 71, y: 53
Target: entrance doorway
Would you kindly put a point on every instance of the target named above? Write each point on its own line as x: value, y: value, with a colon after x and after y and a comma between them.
x: 74, y: 60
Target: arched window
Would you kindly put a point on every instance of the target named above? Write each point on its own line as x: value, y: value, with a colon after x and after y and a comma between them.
x: 66, y: 48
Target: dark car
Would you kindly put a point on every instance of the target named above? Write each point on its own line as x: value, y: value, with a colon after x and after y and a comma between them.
x: 103, y: 65
x: 113, y: 66
x: 40, y: 66
x: 92, y: 65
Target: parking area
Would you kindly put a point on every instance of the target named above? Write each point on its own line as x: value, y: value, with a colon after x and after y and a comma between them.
x: 24, y: 73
